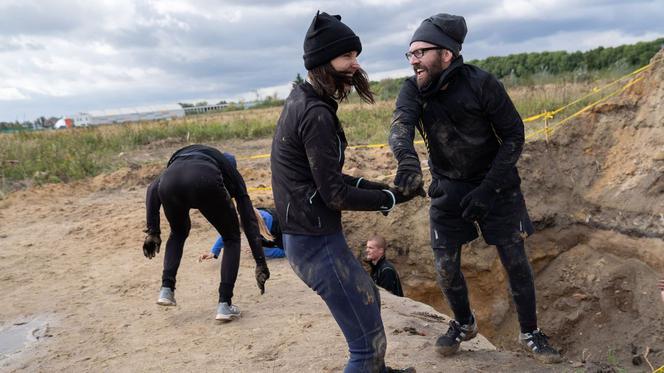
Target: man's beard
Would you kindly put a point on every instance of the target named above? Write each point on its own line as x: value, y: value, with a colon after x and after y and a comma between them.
x: 430, y: 74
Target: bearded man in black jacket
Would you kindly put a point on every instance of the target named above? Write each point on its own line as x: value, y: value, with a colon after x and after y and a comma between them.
x: 310, y: 190
x: 474, y: 137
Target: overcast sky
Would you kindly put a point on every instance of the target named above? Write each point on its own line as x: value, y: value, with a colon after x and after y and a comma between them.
x: 62, y: 57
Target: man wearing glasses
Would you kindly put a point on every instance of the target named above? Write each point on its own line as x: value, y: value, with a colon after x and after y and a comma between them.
x: 474, y: 137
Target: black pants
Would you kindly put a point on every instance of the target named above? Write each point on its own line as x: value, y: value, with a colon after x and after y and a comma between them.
x: 197, y: 184
x: 514, y: 260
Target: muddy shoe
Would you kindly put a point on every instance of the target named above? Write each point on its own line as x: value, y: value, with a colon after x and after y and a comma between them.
x: 404, y: 370
x: 226, y: 312
x: 449, y: 343
x: 537, y: 344
x: 166, y: 297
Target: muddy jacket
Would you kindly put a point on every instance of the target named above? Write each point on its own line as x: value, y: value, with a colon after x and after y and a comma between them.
x: 306, y: 160
x: 385, y: 275
x: 471, y: 129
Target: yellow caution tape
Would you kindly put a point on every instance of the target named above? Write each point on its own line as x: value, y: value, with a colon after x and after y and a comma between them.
x: 595, y: 90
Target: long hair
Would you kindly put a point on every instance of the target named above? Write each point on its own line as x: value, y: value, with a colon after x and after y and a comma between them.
x: 329, y: 82
x: 262, y: 227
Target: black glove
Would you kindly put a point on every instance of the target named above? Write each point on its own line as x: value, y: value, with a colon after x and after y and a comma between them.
x: 396, y: 197
x: 262, y: 274
x: 367, y: 184
x: 478, y: 202
x: 409, y: 176
x: 151, y: 245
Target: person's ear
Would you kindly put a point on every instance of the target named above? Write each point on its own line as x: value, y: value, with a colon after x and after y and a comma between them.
x: 448, y: 56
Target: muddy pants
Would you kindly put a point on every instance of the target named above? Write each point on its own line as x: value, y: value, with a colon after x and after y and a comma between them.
x: 327, y: 265
x: 197, y: 184
x: 506, y: 226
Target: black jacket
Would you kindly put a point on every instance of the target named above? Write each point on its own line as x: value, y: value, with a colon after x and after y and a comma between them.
x: 471, y: 129
x: 306, y: 160
x: 385, y: 275
x: 233, y: 182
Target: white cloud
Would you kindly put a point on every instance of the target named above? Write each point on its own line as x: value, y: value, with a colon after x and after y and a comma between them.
x: 11, y: 94
x: 67, y: 55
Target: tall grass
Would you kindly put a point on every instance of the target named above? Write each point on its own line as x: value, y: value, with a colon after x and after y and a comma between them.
x: 65, y: 155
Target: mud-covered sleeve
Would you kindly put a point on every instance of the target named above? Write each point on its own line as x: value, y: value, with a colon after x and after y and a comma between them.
x: 321, y: 144
x: 152, y: 206
x: 508, y: 126
x: 405, y: 118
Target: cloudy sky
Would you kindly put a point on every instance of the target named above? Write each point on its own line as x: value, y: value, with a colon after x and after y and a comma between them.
x: 67, y: 56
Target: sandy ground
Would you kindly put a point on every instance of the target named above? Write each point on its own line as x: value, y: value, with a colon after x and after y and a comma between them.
x: 72, y: 269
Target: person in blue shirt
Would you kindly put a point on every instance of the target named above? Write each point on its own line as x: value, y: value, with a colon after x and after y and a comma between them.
x: 270, y: 231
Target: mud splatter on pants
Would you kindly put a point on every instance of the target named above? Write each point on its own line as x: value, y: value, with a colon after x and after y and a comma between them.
x: 515, y: 262
x: 327, y: 265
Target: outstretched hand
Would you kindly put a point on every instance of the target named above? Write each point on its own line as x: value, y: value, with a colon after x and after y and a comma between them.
x: 661, y: 288
x: 205, y: 256
x: 151, y: 245
x: 400, y: 197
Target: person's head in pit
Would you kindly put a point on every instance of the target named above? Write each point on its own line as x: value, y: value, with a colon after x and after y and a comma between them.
x: 376, y: 246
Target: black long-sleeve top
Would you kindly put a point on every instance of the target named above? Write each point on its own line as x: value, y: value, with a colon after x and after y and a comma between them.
x: 233, y: 182
x: 385, y: 275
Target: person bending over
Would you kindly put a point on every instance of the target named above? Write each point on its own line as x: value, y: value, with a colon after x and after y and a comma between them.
x: 201, y: 177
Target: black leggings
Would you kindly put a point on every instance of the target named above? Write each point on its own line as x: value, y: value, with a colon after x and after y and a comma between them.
x: 193, y: 183
x: 514, y: 259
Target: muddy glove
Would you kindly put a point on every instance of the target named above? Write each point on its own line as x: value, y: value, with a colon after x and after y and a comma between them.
x: 409, y: 176
x: 397, y: 197
x: 151, y: 244
x: 477, y: 204
x: 367, y: 184
x: 262, y: 274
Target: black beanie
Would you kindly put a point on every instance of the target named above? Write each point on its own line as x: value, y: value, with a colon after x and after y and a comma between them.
x: 328, y: 38
x: 444, y: 30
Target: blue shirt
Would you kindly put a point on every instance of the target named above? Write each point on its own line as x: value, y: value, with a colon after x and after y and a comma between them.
x: 270, y: 252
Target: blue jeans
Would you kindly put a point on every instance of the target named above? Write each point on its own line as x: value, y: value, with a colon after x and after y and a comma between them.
x: 326, y: 265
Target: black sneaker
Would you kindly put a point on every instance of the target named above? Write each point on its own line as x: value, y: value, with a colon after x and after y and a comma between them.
x: 449, y: 343
x: 537, y: 344
x: 404, y: 370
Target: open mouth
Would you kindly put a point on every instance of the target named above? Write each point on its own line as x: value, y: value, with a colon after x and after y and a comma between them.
x: 419, y: 72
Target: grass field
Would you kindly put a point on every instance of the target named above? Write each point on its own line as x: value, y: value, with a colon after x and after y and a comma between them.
x: 65, y: 155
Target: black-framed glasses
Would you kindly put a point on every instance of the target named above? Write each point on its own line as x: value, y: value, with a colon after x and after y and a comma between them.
x: 419, y: 53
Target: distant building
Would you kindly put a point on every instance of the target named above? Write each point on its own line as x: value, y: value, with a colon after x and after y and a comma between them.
x: 204, y: 109
x: 110, y: 116
x: 64, y: 123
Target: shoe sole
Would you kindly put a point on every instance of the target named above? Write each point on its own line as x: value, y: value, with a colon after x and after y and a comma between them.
x: 165, y: 302
x: 546, y: 359
x: 447, y: 350
x: 226, y: 318
x: 451, y: 350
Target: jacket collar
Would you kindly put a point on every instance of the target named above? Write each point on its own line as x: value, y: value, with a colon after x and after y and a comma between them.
x: 378, y: 263
x: 309, y: 90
